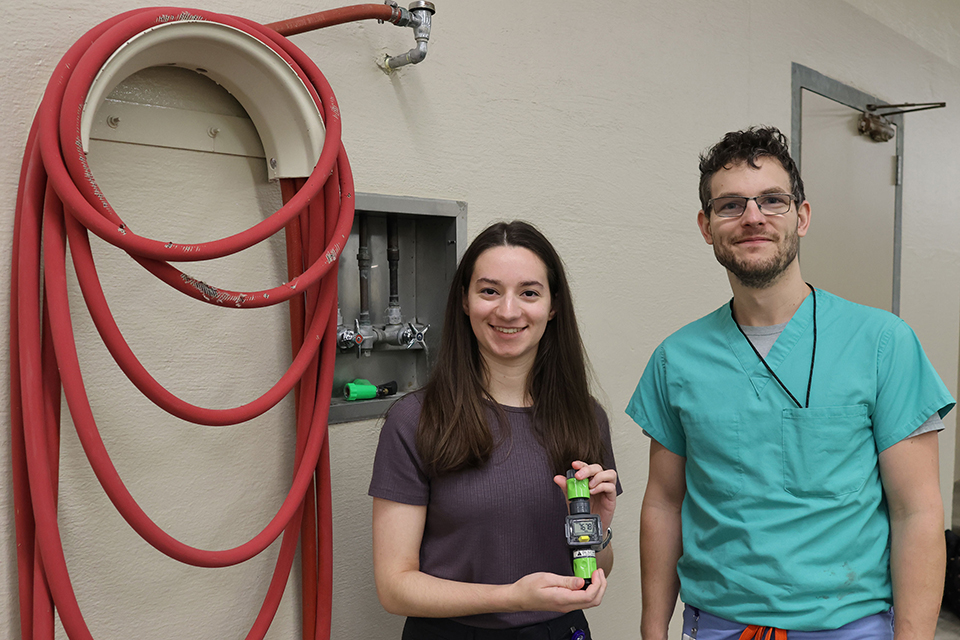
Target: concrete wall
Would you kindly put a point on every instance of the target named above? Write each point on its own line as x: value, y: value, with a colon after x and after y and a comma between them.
x: 587, y: 124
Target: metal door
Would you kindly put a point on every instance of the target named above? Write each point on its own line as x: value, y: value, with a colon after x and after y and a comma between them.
x: 851, y: 181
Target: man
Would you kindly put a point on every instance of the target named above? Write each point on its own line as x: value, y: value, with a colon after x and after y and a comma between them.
x: 794, y: 484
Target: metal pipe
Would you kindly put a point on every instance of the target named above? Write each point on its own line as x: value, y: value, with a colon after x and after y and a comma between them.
x: 421, y: 19
x: 364, y: 262
x: 414, y: 56
x: 394, y: 315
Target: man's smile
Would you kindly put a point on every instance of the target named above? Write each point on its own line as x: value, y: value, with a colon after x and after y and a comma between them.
x: 754, y: 239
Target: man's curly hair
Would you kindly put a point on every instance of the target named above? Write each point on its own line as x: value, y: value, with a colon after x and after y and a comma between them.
x: 746, y: 146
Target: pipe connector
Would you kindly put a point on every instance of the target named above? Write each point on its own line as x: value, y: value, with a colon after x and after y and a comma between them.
x: 394, y: 315
x: 420, y: 17
x: 369, y: 336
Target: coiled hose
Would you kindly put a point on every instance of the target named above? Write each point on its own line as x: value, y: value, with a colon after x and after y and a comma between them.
x: 58, y: 203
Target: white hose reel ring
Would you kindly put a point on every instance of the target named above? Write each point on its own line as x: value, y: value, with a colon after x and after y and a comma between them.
x: 273, y: 95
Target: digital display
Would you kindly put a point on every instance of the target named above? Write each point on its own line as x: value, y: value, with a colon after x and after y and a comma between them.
x: 583, y: 527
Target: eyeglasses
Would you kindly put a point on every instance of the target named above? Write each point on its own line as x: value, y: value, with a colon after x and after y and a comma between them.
x: 770, y: 204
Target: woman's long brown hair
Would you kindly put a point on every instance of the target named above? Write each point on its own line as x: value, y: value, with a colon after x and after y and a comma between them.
x: 453, y: 432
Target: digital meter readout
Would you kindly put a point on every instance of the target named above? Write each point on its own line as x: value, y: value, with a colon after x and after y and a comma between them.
x: 583, y: 527
x: 583, y: 530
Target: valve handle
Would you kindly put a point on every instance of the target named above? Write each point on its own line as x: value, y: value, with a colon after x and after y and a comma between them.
x: 347, y: 339
x: 416, y: 336
x: 358, y: 338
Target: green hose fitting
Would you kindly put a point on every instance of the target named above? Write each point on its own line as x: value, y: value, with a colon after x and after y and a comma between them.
x: 577, y: 488
x: 361, y: 389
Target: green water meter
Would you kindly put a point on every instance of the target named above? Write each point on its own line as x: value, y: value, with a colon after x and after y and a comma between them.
x: 583, y: 529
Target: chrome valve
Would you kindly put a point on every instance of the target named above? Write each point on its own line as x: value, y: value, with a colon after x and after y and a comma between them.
x: 348, y: 338
x: 413, y: 336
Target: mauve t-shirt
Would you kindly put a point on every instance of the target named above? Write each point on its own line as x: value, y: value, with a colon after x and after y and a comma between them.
x: 491, y: 525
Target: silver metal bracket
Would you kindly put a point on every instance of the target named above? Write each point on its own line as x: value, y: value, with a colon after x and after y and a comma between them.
x: 904, y: 107
x: 875, y: 123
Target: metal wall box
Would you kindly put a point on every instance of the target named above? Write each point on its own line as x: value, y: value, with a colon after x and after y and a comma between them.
x: 431, y: 238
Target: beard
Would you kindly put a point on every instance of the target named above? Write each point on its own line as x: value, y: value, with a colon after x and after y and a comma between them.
x: 759, y: 274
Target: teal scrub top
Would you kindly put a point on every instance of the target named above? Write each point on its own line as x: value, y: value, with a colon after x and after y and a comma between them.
x: 784, y: 520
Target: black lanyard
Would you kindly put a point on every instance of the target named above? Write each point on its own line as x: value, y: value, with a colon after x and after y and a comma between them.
x: 813, y: 355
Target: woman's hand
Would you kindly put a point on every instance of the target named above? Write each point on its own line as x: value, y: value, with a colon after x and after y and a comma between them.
x: 550, y: 592
x: 603, y: 488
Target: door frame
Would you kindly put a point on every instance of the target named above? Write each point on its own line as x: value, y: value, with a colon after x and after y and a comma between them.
x: 806, y: 78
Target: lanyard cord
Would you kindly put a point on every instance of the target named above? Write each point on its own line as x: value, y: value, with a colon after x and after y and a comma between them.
x: 813, y: 355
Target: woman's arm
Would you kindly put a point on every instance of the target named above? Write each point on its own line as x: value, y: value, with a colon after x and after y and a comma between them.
x: 405, y: 590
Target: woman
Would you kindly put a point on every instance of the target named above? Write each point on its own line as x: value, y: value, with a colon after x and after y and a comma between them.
x: 467, y: 514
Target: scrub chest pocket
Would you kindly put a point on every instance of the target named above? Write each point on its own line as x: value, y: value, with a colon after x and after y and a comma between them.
x: 826, y: 450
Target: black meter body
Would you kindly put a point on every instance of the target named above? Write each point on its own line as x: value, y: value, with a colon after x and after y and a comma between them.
x: 583, y: 530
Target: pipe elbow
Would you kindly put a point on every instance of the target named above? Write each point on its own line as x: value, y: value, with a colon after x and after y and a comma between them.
x: 418, y: 53
x: 414, y: 56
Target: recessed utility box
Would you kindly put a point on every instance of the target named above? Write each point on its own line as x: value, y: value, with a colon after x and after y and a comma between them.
x: 386, y: 338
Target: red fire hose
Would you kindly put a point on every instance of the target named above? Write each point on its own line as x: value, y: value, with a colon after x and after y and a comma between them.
x: 58, y: 203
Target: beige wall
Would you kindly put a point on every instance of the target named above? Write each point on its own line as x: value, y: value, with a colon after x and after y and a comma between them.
x: 583, y: 118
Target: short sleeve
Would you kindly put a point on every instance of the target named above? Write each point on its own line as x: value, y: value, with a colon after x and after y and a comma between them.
x: 609, y: 461
x: 650, y: 406
x: 398, y: 473
x: 909, y: 390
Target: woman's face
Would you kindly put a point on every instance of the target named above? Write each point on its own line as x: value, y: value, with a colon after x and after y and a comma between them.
x: 508, y: 302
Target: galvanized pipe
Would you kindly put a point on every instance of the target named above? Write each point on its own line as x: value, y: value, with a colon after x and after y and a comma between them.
x: 421, y: 19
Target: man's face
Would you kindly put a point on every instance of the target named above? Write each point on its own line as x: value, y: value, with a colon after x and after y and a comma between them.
x: 757, y: 249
